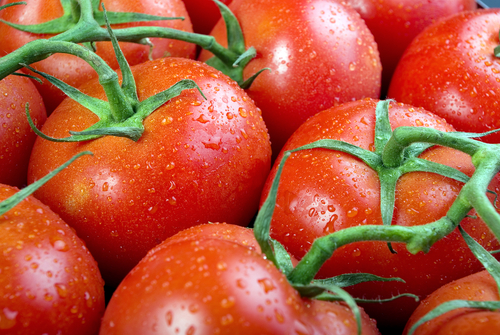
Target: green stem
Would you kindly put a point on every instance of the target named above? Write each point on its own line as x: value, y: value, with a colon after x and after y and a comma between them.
x: 487, y: 163
x: 40, y: 49
x: 402, y: 137
x: 417, y: 238
x: 133, y: 34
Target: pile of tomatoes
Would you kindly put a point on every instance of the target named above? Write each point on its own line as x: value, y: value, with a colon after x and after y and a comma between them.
x: 151, y: 231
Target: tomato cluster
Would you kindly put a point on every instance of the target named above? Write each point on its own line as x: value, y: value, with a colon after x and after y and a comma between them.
x: 246, y: 174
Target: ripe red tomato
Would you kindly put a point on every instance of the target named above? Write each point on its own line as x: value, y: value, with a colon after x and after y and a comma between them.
x: 450, y: 70
x: 320, y: 54
x: 49, y: 282
x: 465, y: 321
x: 197, y: 161
x: 75, y: 71
x: 16, y: 136
x: 205, y: 283
x: 323, y: 191
x: 395, y: 23
x: 204, y: 14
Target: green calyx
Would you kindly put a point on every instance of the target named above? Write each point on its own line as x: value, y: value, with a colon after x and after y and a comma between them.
x: 79, y: 17
x: 82, y: 22
x: 123, y: 114
x: 396, y: 153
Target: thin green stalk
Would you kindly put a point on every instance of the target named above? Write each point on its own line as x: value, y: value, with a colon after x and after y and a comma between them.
x: 40, y: 49
x: 417, y: 238
x: 403, y: 137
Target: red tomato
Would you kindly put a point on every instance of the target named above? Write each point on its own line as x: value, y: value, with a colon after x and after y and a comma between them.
x: 16, y: 136
x: 395, y: 23
x: 197, y: 161
x: 49, y: 282
x: 450, y: 70
x: 75, y: 71
x: 205, y: 284
x: 465, y: 321
x: 320, y: 54
x: 323, y: 191
x: 204, y: 14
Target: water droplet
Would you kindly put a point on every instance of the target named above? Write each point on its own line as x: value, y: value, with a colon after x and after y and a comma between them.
x: 62, y: 290
x: 279, y: 317
x: 227, y: 320
x: 241, y: 283
x: 193, y: 308
x: 202, y: 119
x: 7, y: 318
x: 170, y: 166
x: 59, y: 244
x: 356, y: 252
x: 266, y: 284
x: 105, y: 186
x: 243, y: 112
x: 213, y: 146
x: 352, y: 212
x: 352, y: 66
x: 169, y: 317
x: 166, y: 121
x: 226, y: 303
x: 222, y: 266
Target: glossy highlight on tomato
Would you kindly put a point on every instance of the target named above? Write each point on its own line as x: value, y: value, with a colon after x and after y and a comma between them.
x: 197, y: 161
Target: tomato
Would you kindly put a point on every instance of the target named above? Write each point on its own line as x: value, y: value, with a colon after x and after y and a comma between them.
x: 450, y: 70
x: 75, y: 71
x: 208, y: 284
x: 196, y: 162
x: 49, y: 282
x: 465, y: 321
x: 395, y: 23
x: 204, y: 14
x: 320, y: 54
x: 16, y: 136
x: 323, y: 191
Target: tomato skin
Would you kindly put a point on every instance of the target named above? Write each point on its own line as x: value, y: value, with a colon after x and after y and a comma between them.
x: 465, y: 321
x: 211, y: 285
x: 196, y: 161
x: 49, y: 282
x: 204, y: 14
x: 16, y: 136
x: 450, y: 70
x: 323, y: 191
x: 73, y: 70
x: 320, y: 54
x: 395, y: 23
